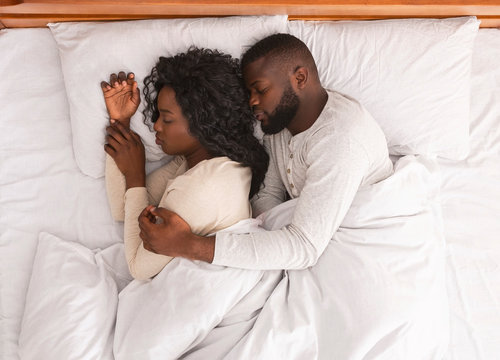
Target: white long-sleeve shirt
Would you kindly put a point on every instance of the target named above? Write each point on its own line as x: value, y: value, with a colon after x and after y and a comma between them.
x: 323, y: 166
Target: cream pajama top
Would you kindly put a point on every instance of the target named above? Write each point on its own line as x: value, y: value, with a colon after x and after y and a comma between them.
x: 210, y: 196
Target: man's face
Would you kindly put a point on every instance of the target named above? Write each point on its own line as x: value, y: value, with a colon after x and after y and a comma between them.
x: 272, y: 98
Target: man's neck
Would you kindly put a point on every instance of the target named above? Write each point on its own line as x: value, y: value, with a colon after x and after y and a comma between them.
x: 309, y: 110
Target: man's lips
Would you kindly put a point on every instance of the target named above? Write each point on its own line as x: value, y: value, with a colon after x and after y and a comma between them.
x: 259, y: 115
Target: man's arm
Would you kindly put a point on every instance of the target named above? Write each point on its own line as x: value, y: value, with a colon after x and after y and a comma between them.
x: 333, y: 178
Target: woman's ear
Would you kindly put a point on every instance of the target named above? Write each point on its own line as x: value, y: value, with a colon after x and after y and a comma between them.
x: 301, y: 75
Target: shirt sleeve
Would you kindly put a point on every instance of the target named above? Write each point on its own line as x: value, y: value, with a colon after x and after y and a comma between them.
x: 336, y: 165
x: 126, y: 205
x: 142, y: 263
x: 273, y: 192
x: 156, y: 182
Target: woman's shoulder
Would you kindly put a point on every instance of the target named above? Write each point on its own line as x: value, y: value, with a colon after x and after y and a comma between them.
x: 219, y: 167
x: 217, y: 174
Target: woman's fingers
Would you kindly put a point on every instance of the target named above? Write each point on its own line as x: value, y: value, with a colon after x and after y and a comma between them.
x: 114, y: 143
x: 113, y: 79
x: 115, y: 133
x: 130, y: 78
x: 105, y: 86
x: 110, y: 150
x: 121, y: 77
x: 125, y: 132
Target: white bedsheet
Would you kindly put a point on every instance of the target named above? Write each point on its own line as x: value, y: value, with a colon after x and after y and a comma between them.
x: 470, y: 193
x: 376, y: 293
x: 41, y: 189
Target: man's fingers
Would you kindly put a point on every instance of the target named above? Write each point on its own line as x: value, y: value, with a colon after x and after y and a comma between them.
x: 162, y: 213
x: 148, y: 247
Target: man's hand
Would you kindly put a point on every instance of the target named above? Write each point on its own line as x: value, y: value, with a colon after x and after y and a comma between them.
x: 164, y: 232
x: 127, y: 150
x: 121, y: 96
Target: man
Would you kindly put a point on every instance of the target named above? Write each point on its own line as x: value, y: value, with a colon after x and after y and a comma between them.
x: 323, y: 147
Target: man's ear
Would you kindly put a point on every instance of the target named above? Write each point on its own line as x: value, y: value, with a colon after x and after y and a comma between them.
x: 301, y: 75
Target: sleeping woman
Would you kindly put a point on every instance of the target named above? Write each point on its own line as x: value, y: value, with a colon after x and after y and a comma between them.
x: 199, y: 107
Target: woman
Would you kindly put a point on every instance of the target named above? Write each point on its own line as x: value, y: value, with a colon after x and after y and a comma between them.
x: 200, y: 112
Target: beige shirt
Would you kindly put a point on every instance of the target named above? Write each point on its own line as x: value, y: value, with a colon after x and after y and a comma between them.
x: 324, y: 167
x: 210, y: 196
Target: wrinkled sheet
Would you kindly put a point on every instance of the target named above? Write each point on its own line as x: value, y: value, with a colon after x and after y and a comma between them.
x: 376, y: 293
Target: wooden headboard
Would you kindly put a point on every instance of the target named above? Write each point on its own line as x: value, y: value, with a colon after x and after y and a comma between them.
x: 37, y: 13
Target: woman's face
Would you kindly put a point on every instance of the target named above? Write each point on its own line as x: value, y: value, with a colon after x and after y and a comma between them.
x: 172, y: 127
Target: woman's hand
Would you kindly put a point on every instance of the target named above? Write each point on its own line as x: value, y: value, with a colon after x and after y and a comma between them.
x: 121, y: 96
x: 127, y: 150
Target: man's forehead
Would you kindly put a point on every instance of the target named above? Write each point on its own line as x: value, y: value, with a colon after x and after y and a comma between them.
x: 261, y: 69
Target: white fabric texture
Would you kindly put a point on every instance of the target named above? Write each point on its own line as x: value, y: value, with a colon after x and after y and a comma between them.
x: 377, y: 292
x: 413, y: 76
x: 470, y: 192
x: 71, y: 301
x: 41, y: 187
x: 91, y: 51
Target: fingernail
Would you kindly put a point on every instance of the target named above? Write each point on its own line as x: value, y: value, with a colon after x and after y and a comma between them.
x: 112, y: 121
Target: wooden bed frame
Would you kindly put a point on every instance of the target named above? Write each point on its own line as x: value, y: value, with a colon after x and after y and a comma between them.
x: 37, y: 13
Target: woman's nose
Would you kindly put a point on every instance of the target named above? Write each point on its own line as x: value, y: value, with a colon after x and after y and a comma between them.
x: 156, y: 125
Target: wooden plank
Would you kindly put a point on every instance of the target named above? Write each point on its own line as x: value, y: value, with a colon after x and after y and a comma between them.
x: 38, y: 13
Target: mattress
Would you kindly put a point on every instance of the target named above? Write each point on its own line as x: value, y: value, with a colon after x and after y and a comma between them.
x: 43, y: 190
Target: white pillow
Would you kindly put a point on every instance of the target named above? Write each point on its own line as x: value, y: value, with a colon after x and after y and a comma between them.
x: 413, y: 76
x: 72, y: 300
x: 90, y: 51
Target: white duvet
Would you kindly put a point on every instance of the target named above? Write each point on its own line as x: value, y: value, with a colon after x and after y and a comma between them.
x: 376, y: 293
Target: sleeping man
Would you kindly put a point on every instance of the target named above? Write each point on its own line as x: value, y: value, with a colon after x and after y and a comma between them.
x: 323, y: 147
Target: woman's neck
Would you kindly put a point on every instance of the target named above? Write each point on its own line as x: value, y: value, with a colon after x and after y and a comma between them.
x: 197, y: 156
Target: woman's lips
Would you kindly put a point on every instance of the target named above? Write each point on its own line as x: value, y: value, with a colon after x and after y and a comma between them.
x: 158, y: 141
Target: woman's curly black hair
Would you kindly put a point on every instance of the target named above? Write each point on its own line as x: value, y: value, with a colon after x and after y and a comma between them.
x: 209, y: 88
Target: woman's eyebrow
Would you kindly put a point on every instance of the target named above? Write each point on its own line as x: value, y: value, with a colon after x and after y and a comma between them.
x: 165, y: 110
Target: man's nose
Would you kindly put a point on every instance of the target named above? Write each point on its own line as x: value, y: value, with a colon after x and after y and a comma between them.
x: 254, y: 100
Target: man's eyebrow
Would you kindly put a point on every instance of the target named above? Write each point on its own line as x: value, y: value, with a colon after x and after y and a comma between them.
x: 165, y: 110
x: 255, y: 82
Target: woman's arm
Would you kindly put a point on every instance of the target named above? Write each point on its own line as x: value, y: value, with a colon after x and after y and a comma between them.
x: 156, y: 182
x: 128, y: 195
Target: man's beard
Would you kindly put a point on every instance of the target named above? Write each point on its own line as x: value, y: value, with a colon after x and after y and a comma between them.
x: 283, y: 113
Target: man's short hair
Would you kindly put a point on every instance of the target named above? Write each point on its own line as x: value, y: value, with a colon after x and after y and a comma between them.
x: 284, y: 49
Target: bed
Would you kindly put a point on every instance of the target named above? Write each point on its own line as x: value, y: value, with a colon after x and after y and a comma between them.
x: 414, y: 270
